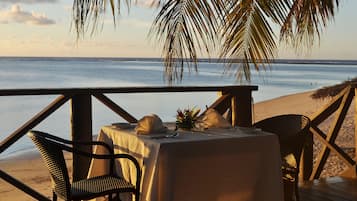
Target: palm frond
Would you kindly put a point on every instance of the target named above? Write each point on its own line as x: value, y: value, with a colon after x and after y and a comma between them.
x: 183, y: 26
x: 87, y: 14
x: 248, y: 35
x: 241, y: 27
x: 306, y: 21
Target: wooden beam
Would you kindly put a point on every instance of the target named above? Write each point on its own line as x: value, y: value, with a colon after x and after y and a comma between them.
x: 107, y: 90
x: 241, y: 107
x: 81, y: 130
x: 355, y: 121
x: 34, y: 121
x: 340, y: 116
x: 323, y: 113
x: 319, y: 133
x: 115, y: 108
x: 222, y: 103
x: 333, y: 147
x: 18, y: 184
x: 234, y: 110
x: 350, y: 172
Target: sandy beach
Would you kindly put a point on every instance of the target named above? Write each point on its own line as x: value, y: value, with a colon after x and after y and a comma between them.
x: 30, y: 169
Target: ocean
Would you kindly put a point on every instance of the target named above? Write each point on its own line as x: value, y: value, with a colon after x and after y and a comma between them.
x: 282, y: 78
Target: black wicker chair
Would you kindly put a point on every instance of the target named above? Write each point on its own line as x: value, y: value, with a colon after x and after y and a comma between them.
x: 51, y: 149
x: 292, y: 130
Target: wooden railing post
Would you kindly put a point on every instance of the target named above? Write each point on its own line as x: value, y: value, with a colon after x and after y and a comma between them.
x: 241, y: 106
x: 355, y: 87
x: 352, y: 172
x: 81, y: 130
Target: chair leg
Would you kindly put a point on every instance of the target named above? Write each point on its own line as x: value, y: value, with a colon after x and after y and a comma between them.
x: 54, y: 196
x: 137, y: 194
x: 117, y: 197
x: 297, y: 196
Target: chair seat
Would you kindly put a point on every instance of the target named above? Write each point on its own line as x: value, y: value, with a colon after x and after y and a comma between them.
x: 97, y: 186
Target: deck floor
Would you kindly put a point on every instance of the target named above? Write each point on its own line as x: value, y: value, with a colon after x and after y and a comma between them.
x: 331, y: 189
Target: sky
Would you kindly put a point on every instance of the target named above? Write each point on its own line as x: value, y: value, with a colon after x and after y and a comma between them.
x: 43, y: 28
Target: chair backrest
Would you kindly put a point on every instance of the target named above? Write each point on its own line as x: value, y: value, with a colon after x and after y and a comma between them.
x: 291, y: 129
x: 52, y: 154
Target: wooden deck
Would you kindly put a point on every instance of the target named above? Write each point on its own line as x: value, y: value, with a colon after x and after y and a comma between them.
x: 331, y: 189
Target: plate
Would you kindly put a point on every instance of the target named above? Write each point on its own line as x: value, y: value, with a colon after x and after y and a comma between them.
x: 123, y: 125
x: 167, y: 134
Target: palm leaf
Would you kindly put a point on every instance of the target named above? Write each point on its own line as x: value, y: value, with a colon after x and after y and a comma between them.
x: 248, y: 35
x: 183, y: 26
x: 244, y: 26
x: 306, y: 20
x: 87, y: 13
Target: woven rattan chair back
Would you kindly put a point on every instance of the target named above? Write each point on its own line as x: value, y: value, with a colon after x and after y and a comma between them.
x: 292, y: 130
x: 109, y: 185
x: 53, y: 157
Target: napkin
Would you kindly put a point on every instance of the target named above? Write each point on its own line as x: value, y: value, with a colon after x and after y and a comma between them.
x: 150, y: 124
x: 212, y: 119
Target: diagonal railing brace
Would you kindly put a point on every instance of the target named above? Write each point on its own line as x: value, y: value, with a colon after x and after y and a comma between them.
x: 38, y: 118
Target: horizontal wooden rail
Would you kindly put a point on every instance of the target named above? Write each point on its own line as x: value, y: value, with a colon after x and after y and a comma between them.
x: 104, y: 90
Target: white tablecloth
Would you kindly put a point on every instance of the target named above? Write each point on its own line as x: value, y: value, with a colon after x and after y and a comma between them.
x: 214, y: 165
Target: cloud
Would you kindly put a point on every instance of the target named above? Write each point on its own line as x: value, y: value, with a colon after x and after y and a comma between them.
x: 16, y: 14
x: 28, y: 1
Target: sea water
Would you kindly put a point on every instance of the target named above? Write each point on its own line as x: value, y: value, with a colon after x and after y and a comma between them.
x: 283, y: 78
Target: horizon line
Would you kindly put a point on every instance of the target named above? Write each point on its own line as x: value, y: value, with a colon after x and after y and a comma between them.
x: 213, y: 60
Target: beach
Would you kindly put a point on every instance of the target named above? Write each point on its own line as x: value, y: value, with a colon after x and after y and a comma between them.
x: 30, y: 169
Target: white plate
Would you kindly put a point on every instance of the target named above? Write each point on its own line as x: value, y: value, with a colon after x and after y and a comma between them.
x: 124, y: 125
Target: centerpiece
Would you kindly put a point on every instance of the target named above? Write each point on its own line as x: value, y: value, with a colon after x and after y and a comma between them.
x: 186, y: 119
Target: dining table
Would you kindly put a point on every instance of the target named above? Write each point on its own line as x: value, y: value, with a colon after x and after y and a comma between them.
x: 214, y: 164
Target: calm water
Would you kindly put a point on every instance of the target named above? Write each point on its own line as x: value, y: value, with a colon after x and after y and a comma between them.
x: 282, y: 79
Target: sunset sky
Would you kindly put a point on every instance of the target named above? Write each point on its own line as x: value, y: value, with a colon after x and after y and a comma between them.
x: 43, y: 28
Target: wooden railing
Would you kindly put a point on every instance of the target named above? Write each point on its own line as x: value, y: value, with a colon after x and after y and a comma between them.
x: 236, y: 99
x: 338, y: 107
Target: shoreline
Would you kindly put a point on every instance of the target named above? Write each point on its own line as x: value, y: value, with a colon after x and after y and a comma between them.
x: 23, y: 154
